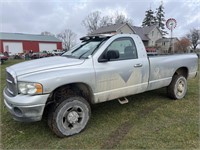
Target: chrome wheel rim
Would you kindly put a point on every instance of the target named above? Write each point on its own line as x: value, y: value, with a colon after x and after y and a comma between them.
x: 180, y: 88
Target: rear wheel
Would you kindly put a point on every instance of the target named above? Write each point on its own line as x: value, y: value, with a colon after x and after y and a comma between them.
x: 70, y: 117
x: 178, y: 87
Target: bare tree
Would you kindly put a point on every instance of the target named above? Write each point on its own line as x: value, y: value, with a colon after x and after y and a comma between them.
x: 194, y: 37
x: 47, y: 33
x: 92, y: 21
x: 120, y: 18
x: 68, y: 38
x: 114, y: 19
x: 106, y: 20
x: 183, y: 45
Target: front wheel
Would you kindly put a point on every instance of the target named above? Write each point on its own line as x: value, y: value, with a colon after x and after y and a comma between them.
x: 70, y: 117
x: 178, y: 87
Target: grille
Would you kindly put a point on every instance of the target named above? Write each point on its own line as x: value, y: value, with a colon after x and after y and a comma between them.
x: 11, y: 86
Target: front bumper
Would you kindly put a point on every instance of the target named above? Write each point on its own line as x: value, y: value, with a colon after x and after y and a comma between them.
x: 26, y: 108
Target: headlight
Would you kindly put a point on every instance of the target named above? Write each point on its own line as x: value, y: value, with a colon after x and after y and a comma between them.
x: 30, y: 88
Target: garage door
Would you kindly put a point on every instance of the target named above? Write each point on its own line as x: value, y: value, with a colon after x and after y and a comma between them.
x: 47, y: 47
x: 13, y: 47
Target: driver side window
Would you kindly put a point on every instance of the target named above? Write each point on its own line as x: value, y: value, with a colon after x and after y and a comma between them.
x: 126, y: 48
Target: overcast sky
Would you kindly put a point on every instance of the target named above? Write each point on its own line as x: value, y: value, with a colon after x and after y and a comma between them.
x: 35, y: 16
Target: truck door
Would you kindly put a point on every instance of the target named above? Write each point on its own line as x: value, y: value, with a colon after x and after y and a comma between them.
x: 123, y: 76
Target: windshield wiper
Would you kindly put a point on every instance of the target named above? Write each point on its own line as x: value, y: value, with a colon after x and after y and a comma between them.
x: 69, y: 56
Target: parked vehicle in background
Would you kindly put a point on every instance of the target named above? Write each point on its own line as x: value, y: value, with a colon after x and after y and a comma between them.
x: 152, y: 53
x: 35, y: 56
x: 100, y: 69
x: 3, y: 58
x: 57, y: 52
x: 39, y: 55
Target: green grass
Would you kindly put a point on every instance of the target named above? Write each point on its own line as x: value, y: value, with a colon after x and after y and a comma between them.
x: 149, y: 121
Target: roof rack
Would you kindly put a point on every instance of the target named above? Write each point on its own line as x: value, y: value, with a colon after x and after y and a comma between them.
x: 89, y: 37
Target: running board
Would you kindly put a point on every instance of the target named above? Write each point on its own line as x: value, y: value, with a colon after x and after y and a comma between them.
x: 123, y: 101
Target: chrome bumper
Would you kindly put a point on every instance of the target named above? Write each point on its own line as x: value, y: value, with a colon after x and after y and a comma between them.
x: 26, y: 108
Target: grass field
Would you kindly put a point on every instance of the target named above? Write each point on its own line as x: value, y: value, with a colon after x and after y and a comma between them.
x: 149, y: 121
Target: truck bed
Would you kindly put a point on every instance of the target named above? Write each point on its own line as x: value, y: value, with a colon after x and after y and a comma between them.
x: 163, y: 67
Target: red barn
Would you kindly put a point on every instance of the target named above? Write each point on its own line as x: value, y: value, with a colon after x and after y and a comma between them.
x: 15, y: 43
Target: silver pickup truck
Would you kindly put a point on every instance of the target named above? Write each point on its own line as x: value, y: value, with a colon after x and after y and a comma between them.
x: 100, y: 69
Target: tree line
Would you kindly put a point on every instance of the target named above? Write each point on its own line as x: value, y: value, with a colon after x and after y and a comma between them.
x: 95, y: 20
x: 155, y: 18
x: 190, y: 40
x: 91, y: 22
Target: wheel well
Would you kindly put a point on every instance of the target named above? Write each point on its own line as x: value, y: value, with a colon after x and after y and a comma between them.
x: 73, y: 89
x: 182, y: 71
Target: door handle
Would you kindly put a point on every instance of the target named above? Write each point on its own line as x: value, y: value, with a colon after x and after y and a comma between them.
x: 138, y: 65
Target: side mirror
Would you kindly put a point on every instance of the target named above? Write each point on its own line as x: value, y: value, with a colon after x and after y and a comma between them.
x: 111, y: 54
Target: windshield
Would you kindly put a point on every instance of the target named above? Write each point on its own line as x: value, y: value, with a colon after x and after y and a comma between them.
x: 84, y: 49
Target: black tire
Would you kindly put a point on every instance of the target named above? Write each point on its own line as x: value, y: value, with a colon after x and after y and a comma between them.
x: 69, y: 117
x: 178, y: 87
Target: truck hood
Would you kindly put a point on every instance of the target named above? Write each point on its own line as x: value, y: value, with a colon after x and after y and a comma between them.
x: 44, y: 64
